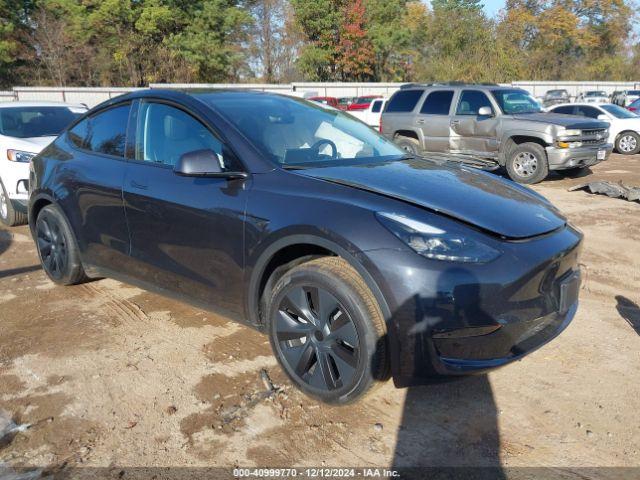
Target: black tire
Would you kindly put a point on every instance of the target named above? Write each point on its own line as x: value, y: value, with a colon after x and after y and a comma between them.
x: 9, y: 216
x: 527, y: 163
x: 57, y: 247
x: 408, y: 144
x: 628, y: 143
x: 327, y: 331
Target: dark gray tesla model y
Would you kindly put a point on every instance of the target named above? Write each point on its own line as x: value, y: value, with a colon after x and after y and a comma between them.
x: 358, y: 261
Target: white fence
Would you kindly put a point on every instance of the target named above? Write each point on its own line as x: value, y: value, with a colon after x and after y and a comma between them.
x: 93, y: 96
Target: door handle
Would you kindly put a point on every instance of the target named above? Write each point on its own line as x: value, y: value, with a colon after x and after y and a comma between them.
x: 422, y: 121
x: 138, y: 185
x: 455, y: 122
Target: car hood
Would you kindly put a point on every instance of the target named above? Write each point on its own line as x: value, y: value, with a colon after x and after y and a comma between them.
x: 562, y: 120
x: 33, y: 144
x: 488, y: 202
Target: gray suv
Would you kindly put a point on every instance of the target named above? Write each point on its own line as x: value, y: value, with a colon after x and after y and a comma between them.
x: 502, y: 125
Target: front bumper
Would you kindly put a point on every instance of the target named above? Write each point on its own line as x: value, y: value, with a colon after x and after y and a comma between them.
x: 563, y: 158
x: 516, y: 303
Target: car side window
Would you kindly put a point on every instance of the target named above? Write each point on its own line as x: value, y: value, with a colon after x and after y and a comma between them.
x: 471, y: 101
x: 437, y: 103
x: 104, y: 132
x: 587, y: 112
x: 377, y: 106
x: 165, y: 133
x: 404, y: 101
x: 566, y: 110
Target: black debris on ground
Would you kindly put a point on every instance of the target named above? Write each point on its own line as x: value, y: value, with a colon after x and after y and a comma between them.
x: 611, y: 189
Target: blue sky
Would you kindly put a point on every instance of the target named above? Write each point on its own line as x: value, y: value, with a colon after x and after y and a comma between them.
x: 492, y: 6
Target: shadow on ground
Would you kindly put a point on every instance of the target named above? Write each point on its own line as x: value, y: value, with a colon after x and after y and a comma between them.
x: 630, y: 311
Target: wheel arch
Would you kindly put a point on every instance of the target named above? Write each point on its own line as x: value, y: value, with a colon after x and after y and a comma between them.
x: 622, y: 132
x: 407, y: 133
x: 518, y: 139
x: 291, y: 251
x: 36, y: 204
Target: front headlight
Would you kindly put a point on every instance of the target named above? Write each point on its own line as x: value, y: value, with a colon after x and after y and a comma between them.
x: 20, y: 156
x: 435, y: 243
x: 570, y: 133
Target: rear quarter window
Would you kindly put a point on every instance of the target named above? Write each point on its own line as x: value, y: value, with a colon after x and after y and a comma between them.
x: 404, y: 101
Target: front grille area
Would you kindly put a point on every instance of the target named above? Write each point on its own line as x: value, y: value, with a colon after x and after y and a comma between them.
x: 594, y: 136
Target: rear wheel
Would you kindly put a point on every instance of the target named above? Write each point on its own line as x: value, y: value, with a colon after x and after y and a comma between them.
x: 408, y: 144
x: 628, y: 143
x: 57, y: 247
x: 327, y: 331
x: 527, y: 163
x: 8, y: 214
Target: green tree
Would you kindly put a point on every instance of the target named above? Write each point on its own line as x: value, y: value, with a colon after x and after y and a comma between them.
x: 211, y: 41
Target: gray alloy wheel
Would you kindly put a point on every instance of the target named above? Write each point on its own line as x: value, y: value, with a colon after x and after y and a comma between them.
x: 317, y: 338
x: 8, y: 214
x: 525, y: 164
x: 628, y: 143
x: 4, y: 205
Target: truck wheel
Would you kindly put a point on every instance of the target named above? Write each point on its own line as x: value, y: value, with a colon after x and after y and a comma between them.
x: 527, y: 163
x: 8, y: 214
x: 327, y: 331
x: 628, y: 143
x: 408, y: 144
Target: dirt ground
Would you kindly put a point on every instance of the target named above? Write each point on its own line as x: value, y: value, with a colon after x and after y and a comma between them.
x: 113, y: 376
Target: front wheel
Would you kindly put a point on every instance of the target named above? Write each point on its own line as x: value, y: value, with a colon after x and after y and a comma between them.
x: 628, y: 143
x: 57, y: 248
x: 8, y: 214
x: 327, y: 331
x: 527, y: 163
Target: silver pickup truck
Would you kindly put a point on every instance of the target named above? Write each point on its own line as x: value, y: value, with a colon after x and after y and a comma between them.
x: 502, y: 126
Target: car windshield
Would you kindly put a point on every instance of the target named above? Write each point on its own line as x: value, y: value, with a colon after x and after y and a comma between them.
x: 293, y: 132
x: 634, y: 92
x: 516, y: 101
x: 361, y: 100
x: 618, y: 112
x: 557, y: 93
x: 595, y: 94
x: 28, y: 122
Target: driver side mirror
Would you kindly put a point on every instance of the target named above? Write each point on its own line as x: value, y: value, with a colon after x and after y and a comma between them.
x: 485, y: 112
x: 203, y: 163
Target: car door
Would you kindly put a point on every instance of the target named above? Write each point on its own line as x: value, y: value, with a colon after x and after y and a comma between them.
x: 186, y: 232
x: 93, y: 202
x: 472, y: 133
x: 433, y: 120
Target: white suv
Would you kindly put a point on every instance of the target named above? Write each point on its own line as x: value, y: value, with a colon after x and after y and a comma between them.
x: 25, y: 129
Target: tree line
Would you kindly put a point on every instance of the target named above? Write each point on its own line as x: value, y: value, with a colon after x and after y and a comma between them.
x: 136, y: 42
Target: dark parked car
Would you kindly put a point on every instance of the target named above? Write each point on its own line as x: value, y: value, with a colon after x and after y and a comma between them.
x: 554, y: 97
x: 358, y: 261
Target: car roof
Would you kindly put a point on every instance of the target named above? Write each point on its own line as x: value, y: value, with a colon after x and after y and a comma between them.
x: 40, y: 104
x: 479, y: 86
